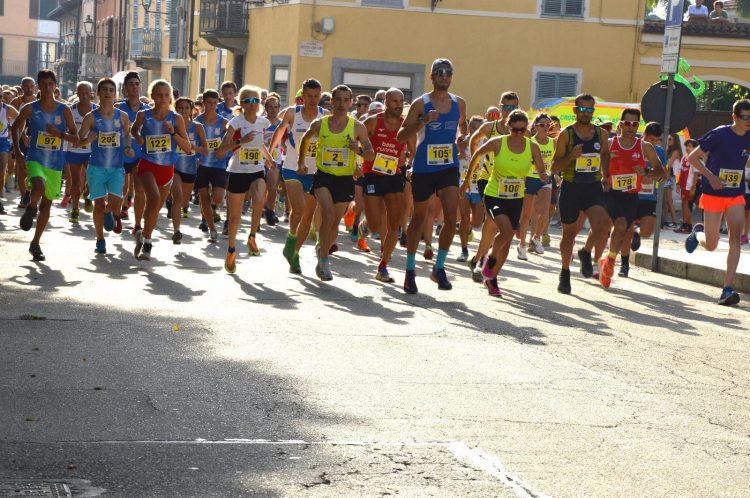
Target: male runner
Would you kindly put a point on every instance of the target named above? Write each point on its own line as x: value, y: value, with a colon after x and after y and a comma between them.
x: 28, y: 94
x: 77, y: 156
x: 225, y: 109
x: 131, y: 90
x: 8, y: 115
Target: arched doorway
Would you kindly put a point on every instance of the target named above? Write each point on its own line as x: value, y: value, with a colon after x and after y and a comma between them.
x: 714, y: 106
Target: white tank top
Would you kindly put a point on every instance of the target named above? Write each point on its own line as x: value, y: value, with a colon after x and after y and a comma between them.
x: 78, y: 120
x: 299, y: 127
x: 4, y: 124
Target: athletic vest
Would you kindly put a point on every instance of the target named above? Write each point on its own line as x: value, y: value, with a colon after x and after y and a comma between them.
x: 124, y: 107
x: 548, y: 152
x: 622, y: 163
x: 388, y: 150
x: 4, y: 123
x: 158, y: 146
x: 107, y: 149
x: 486, y: 168
x: 43, y: 147
x: 299, y: 127
x: 648, y: 190
x: 587, y: 168
x: 333, y: 153
x: 214, y: 136
x: 436, y: 141
x: 267, y: 136
x: 224, y: 111
x: 78, y: 120
x: 188, y: 163
x: 509, y: 170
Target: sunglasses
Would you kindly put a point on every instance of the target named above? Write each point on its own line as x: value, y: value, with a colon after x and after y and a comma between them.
x: 581, y: 108
x: 251, y: 100
x: 517, y: 130
x: 509, y: 107
x: 541, y: 125
x: 744, y: 117
x: 631, y: 124
x: 443, y: 71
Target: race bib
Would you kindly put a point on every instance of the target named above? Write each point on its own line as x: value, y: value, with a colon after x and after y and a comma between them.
x: 510, y: 188
x: 275, y: 155
x: 385, y: 164
x: 335, y: 157
x: 156, y: 144
x: 647, y: 188
x: 2, y: 127
x: 588, y: 163
x: 439, y: 154
x: 250, y: 156
x: 181, y: 152
x: 109, y: 139
x: 624, y: 183
x: 312, y: 149
x: 213, y: 144
x: 731, y: 178
x: 45, y: 141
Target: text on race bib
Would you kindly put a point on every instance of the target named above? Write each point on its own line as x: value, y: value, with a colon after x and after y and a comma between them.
x: 731, y: 178
x: 312, y: 149
x: 624, y: 182
x: 439, y: 154
x: 647, y: 188
x: 46, y: 141
x: 2, y: 127
x: 275, y: 154
x: 588, y: 163
x: 335, y: 157
x: 156, y: 144
x: 213, y: 144
x: 250, y: 156
x: 510, y: 188
x: 109, y: 139
x: 385, y: 164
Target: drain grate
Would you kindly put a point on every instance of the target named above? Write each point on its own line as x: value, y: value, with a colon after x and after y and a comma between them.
x: 34, y: 488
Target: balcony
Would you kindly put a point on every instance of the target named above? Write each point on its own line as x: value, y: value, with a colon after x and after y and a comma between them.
x: 95, y: 66
x: 703, y: 28
x: 145, y: 47
x: 223, y: 23
x: 11, y: 71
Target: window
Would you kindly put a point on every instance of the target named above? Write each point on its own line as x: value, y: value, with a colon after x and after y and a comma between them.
x: 280, y: 82
x: 563, y: 8
x: 395, y: 4
x: 110, y: 36
x: 552, y: 85
x: 34, y: 9
x: 2, y: 7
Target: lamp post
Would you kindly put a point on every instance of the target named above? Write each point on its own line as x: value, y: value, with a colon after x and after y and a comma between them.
x: 88, y: 25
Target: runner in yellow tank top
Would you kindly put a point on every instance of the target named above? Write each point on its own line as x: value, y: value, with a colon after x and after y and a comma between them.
x: 503, y: 196
x: 340, y: 139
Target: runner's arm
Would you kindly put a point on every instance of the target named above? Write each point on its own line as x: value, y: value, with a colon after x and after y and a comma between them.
x: 491, y: 146
x: 463, y: 126
x: 84, y: 134
x: 72, y: 134
x: 201, y: 149
x: 278, y: 134
x: 312, y: 131
x: 227, y: 143
x: 367, y: 152
x: 413, y: 123
x: 536, y: 155
x: 125, y: 120
x: 560, y: 160
x: 657, y: 171
x: 604, y: 153
x: 135, y: 130
x: 477, y: 136
x: 180, y: 134
x: 17, y: 127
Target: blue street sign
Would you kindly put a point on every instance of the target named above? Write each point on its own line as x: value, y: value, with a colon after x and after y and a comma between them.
x: 675, y: 10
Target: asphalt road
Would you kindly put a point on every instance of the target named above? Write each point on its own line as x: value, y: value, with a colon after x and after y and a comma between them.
x: 172, y: 378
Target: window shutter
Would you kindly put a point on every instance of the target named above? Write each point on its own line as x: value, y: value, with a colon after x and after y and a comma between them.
x: 546, y: 86
x: 552, y: 7
x: 45, y: 7
x: 34, y: 9
x: 110, y: 36
x: 573, y: 8
x: 2, y: 7
x: 33, y: 59
x: 173, y: 31
x: 567, y: 85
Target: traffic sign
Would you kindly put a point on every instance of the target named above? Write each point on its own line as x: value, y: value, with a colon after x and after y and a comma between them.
x: 675, y: 11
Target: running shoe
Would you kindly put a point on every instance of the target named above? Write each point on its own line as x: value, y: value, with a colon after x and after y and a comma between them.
x: 185, y: 213
x: 476, y: 272
x: 744, y: 240
x: 349, y: 219
x: 168, y: 206
x: 252, y: 246
x: 402, y: 239
x: 2, y: 208
x: 522, y: 253
x: 294, y: 266
x: 362, y: 245
x: 729, y: 297
x: 463, y: 257
x: 537, y: 246
x: 472, y: 263
x: 101, y: 247
x: 28, y: 218
x: 225, y: 230
x: 564, y: 286
x: 88, y: 206
x: 217, y: 216
x: 109, y: 221
x: 74, y: 213
x: 606, y: 270
x: 635, y: 242
x: 410, y: 282
x: 587, y: 267
x: 691, y: 242
x: 177, y: 238
x: 323, y: 272
x: 334, y: 248
x: 230, y: 264
x: 545, y: 240
x: 438, y: 275
x: 271, y: 218
x: 383, y: 276
x: 624, y: 270
x: 213, y: 236
x: 684, y: 228
x: 353, y: 237
x: 489, y: 263
x: 25, y: 200
x: 471, y: 236
x: 492, y: 287
x: 65, y: 201
x: 36, y: 252
x: 124, y: 214
x: 118, y: 225
x: 145, y: 254
x: 203, y: 225
x: 428, y: 254
x: 196, y: 199
x: 138, y: 243
x: 288, y: 250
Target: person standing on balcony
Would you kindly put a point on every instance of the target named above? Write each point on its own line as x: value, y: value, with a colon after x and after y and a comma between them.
x: 698, y: 12
x: 131, y: 90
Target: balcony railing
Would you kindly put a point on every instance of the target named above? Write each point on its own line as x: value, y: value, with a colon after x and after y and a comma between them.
x: 145, y: 43
x: 704, y: 28
x: 10, y: 67
x: 95, y: 66
x: 224, y: 23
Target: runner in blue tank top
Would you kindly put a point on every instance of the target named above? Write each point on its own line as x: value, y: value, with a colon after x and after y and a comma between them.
x: 131, y: 90
x: 108, y: 131
x: 50, y: 122
x: 76, y: 157
x: 229, y: 94
x: 158, y: 131
x: 438, y: 120
x: 8, y: 113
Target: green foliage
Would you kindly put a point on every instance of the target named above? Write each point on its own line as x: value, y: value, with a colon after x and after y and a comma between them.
x: 722, y: 96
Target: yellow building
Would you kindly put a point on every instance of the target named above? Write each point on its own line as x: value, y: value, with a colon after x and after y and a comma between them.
x: 538, y: 48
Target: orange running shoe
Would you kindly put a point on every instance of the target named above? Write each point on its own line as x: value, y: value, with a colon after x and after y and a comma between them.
x: 230, y: 263
x: 362, y: 245
x: 606, y: 270
x: 252, y: 246
x: 349, y: 219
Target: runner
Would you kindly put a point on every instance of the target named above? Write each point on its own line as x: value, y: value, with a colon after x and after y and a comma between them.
x: 225, y: 109
x: 505, y: 190
x: 158, y: 131
x: 352, y: 218
x: 185, y: 166
x: 438, y: 121
x: 28, y: 94
x: 50, y: 122
x: 540, y: 216
x: 77, y: 156
x: 725, y: 150
x: 582, y: 158
x: 246, y: 170
x: 273, y: 167
x: 471, y: 207
x: 383, y: 178
x: 297, y: 120
x: 8, y: 115
x: 212, y: 170
x: 108, y: 131
x: 339, y: 137
x: 131, y: 90
x: 627, y: 169
x: 687, y: 186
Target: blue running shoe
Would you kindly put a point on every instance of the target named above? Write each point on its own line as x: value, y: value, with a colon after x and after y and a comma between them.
x: 691, y: 243
x: 101, y: 247
x: 109, y: 221
x: 439, y: 276
x: 729, y: 297
x: 410, y: 282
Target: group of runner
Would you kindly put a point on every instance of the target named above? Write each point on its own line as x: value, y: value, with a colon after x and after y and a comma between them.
x: 381, y: 169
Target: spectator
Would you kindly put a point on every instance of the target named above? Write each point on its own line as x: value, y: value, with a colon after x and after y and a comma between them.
x: 698, y: 12
x: 718, y: 14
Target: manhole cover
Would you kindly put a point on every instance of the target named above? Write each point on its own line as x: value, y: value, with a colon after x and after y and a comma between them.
x: 32, y: 488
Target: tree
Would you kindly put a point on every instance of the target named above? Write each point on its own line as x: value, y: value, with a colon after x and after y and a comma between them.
x: 721, y: 95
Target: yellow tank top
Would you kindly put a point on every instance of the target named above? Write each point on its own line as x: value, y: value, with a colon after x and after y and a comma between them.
x: 484, y: 170
x: 333, y: 154
x: 548, y: 152
x: 509, y: 170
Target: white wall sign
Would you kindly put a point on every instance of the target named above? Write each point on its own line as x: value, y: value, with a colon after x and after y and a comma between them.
x: 311, y: 48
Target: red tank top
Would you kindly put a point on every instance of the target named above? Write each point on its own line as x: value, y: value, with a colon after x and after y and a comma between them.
x: 388, y: 151
x: 622, y: 163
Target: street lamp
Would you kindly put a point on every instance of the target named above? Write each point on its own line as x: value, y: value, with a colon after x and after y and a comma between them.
x: 88, y: 25
x: 46, y: 57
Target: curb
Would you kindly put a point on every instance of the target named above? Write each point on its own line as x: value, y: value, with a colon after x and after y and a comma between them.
x: 693, y: 272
